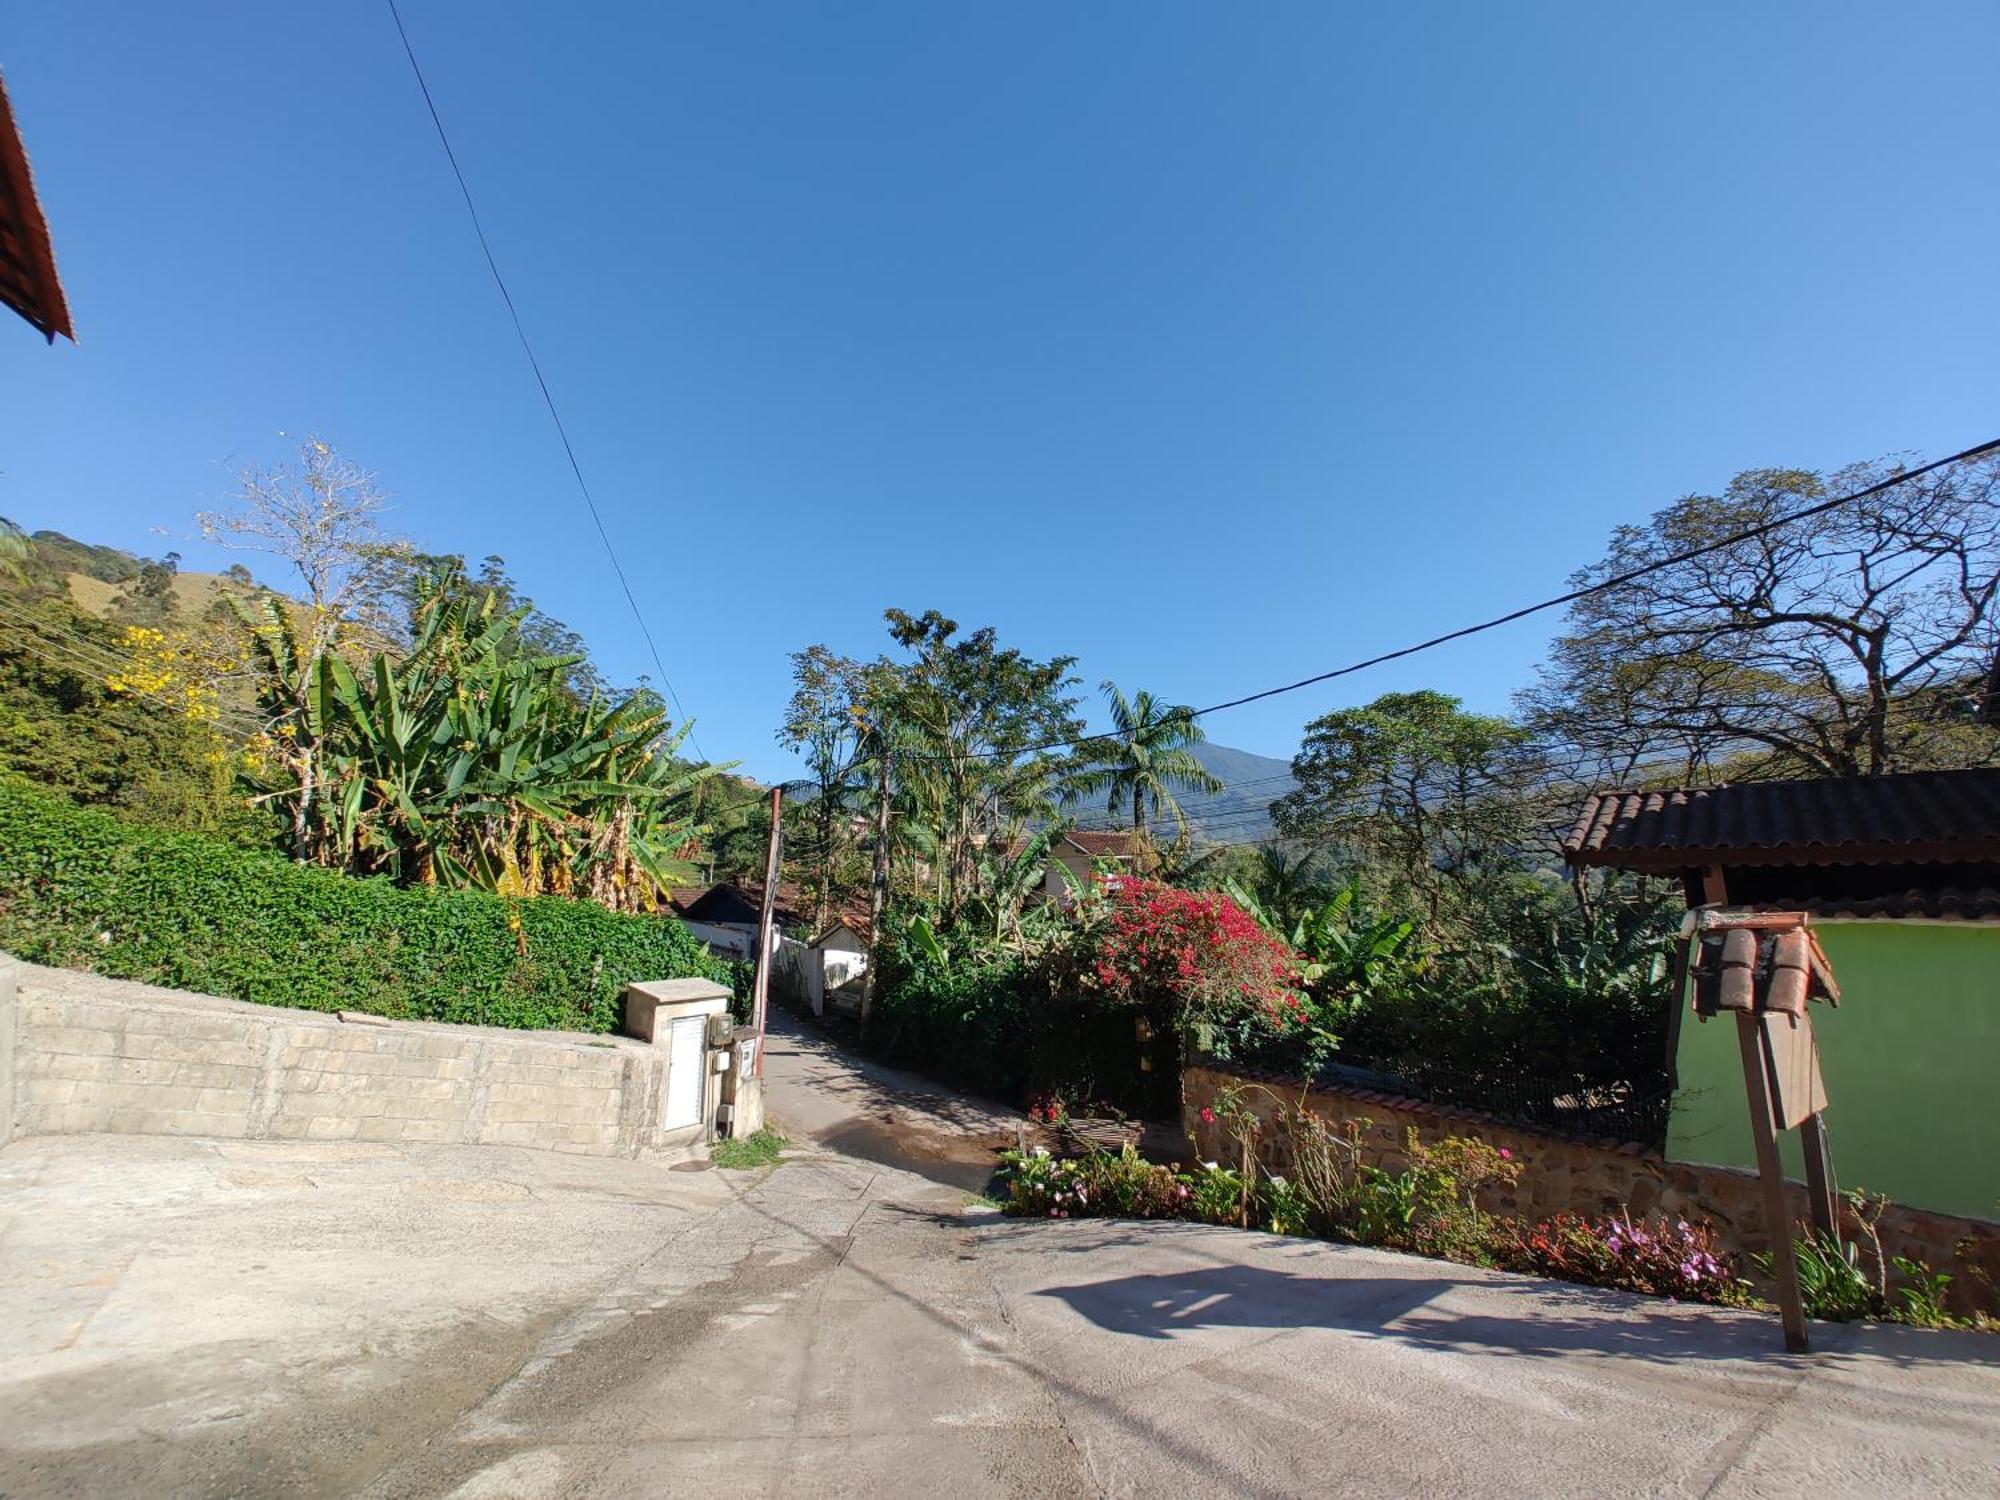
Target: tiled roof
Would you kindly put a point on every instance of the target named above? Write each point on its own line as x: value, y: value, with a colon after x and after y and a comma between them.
x: 28, y: 281
x: 1948, y: 904
x: 729, y: 902
x: 1914, y: 818
x: 1117, y: 843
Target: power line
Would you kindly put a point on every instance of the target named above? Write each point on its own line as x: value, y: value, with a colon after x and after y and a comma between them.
x: 521, y: 332
x: 76, y: 656
x: 1749, y: 533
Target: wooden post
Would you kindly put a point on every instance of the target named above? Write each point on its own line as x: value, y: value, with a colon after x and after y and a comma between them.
x: 1771, y: 1175
x: 878, y: 892
x: 767, y: 948
x: 1819, y: 1176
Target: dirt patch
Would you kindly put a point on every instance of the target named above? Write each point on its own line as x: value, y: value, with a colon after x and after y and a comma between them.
x: 962, y: 1161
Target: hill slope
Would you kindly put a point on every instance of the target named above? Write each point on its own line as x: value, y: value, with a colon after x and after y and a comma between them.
x: 1238, y: 813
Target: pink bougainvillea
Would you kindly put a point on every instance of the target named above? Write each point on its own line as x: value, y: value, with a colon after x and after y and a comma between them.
x: 1197, y: 949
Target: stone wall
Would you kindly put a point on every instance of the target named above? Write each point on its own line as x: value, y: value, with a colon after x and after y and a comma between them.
x: 79, y: 1054
x: 1581, y: 1177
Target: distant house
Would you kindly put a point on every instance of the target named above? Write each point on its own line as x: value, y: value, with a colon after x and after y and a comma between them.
x: 1078, y: 854
x: 725, y: 917
x: 1901, y: 875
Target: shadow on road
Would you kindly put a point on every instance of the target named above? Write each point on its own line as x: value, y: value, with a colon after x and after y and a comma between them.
x: 1539, y: 1320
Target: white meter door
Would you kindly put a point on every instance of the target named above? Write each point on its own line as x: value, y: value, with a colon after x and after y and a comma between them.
x: 685, y: 1049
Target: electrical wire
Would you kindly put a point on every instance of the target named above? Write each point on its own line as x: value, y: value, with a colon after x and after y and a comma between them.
x: 541, y: 381
x: 1604, y: 585
x: 98, y: 669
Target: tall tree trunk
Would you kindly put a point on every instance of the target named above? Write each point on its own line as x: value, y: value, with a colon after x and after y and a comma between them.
x: 1139, y: 828
x: 823, y: 894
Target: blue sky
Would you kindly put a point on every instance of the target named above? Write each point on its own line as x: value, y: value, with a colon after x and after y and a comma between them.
x: 1213, y: 345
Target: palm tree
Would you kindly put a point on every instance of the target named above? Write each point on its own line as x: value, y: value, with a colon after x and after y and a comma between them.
x: 1149, y: 759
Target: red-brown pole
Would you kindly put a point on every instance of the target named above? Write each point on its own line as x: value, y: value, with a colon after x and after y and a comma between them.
x: 760, y: 993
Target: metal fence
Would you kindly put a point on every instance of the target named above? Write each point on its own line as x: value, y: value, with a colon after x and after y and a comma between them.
x: 1560, y: 1104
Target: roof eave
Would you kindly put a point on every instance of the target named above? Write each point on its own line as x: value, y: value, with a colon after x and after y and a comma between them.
x: 47, y: 309
x: 1801, y: 856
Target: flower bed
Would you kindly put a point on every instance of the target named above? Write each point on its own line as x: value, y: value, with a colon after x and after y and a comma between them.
x: 1427, y: 1210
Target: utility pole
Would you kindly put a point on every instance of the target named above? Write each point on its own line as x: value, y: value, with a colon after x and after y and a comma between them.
x: 878, y: 894
x: 760, y: 993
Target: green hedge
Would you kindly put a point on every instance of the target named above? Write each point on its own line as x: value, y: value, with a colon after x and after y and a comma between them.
x: 86, y: 890
x: 1004, y: 1029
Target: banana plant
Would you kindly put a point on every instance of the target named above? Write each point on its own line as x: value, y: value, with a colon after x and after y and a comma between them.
x: 1347, y: 950
x: 468, y: 760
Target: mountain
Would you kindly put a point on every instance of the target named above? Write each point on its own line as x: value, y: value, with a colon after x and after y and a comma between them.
x: 1239, y: 813
x: 117, y: 585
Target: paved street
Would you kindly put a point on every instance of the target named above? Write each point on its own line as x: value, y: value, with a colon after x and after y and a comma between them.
x: 235, y: 1318
x: 819, y: 1092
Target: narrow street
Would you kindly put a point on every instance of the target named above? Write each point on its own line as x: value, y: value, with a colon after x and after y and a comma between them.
x: 817, y: 1091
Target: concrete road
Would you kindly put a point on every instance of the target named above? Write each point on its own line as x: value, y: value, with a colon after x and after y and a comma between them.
x: 817, y: 1091
x: 190, y: 1318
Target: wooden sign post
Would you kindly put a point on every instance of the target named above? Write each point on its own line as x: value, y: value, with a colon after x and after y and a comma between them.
x: 1764, y: 967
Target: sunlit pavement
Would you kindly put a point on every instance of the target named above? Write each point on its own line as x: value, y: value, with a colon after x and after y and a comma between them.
x: 235, y: 1318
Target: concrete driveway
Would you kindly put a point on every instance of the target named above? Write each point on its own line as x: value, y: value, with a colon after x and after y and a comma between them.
x: 235, y: 1318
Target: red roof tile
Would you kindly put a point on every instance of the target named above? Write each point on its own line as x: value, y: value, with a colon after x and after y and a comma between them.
x: 1113, y: 844
x: 1915, y: 818
x: 28, y: 281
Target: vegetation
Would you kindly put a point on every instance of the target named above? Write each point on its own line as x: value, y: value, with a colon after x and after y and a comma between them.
x: 396, y: 717
x: 467, y: 760
x: 1429, y: 1208
x: 1838, y: 1283
x: 1854, y: 642
x: 760, y: 1148
x: 1145, y: 760
x: 85, y: 889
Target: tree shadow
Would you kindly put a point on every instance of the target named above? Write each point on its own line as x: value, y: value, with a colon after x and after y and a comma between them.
x: 1490, y: 1313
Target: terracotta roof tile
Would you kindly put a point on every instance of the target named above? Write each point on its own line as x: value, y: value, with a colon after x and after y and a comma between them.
x: 1116, y: 843
x: 1947, y: 904
x: 1917, y: 817
x: 28, y: 282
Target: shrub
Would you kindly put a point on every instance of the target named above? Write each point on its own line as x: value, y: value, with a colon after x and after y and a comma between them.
x: 1197, y: 949
x: 760, y: 1148
x: 1102, y: 1184
x: 1660, y: 1257
x: 1283, y: 1208
x: 83, y: 889
x: 1428, y: 1209
x: 1218, y: 1195
x: 966, y: 1023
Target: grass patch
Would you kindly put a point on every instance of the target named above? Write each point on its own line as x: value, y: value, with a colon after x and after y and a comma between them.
x: 759, y: 1149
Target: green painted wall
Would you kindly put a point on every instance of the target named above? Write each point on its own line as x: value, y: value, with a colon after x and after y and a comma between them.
x: 1912, y: 1065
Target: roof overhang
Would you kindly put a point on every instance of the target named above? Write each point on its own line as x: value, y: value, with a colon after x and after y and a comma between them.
x: 28, y: 281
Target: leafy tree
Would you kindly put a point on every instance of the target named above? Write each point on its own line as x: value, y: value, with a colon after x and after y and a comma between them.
x: 540, y: 634
x: 1148, y: 760
x: 149, y: 597
x: 1346, y: 949
x: 968, y: 725
x: 65, y: 725
x: 1851, y: 643
x: 16, y: 551
x: 827, y: 722
x: 1413, y: 785
x: 323, y: 518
